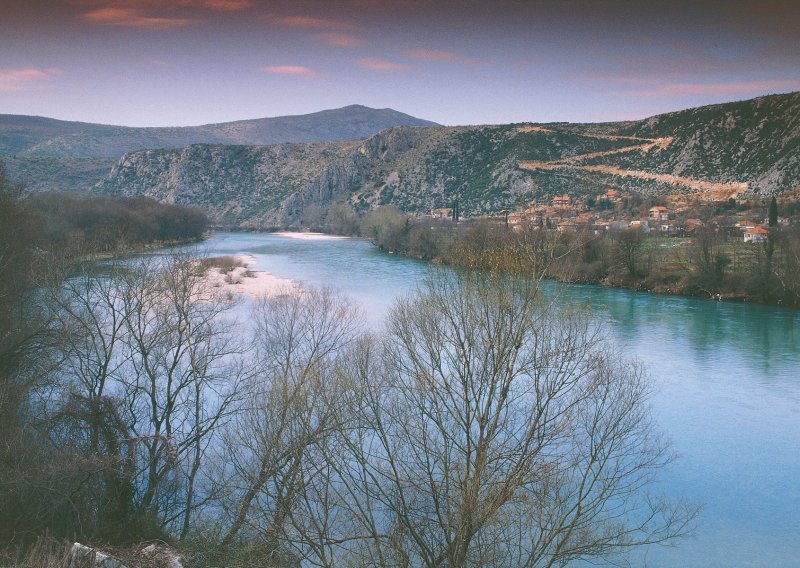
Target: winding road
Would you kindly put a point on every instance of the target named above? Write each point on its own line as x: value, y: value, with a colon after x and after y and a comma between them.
x: 709, y: 190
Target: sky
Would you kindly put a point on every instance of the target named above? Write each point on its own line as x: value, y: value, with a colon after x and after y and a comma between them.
x: 191, y: 62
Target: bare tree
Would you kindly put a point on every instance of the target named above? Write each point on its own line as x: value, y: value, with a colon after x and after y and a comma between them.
x: 628, y: 251
x: 274, y: 447
x: 503, y: 432
x: 181, y: 382
x: 708, y: 258
x: 149, y: 373
x: 88, y: 326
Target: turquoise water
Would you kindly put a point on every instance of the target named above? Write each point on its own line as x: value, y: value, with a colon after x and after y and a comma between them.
x: 727, y: 394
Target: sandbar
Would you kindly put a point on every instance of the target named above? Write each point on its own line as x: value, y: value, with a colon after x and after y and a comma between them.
x: 248, y: 281
x: 309, y: 236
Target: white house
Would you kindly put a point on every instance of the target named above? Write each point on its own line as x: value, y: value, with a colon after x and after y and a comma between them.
x: 755, y: 235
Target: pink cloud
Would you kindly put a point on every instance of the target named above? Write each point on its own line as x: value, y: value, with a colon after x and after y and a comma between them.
x: 139, y: 13
x: 298, y: 70
x: 339, y: 39
x: 218, y: 5
x: 132, y: 18
x: 309, y: 22
x: 226, y: 5
x: 377, y: 64
x: 437, y: 55
x: 14, y: 80
x: 730, y: 88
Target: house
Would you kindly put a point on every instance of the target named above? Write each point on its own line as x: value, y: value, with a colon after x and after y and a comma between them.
x: 444, y: 213
x: 755, y: 235
x: 669, y: 229
x: 600, y: 227
x: 516, y: 218
x: 690, y: 227
x: 658, y: 213
x: 561, y: 201
x: 610, y: 196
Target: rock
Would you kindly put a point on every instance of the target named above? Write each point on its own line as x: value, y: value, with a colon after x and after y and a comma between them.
x: 162, y: 556
x: 81, y: 556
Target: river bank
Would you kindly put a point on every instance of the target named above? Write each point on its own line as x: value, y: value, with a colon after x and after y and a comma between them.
x: 710, y: 264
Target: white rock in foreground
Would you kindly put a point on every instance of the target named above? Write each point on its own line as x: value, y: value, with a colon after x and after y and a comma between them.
x: 81, y: 556
x: 162, y: 556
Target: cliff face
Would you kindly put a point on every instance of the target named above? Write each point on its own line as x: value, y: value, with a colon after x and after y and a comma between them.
x: 414, y: 168
x: 738, y: 149
x: 249, y: 186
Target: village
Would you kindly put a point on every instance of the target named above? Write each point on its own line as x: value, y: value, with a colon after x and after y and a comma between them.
x: 617, y: 210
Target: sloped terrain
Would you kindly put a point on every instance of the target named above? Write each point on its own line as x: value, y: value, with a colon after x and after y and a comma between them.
x: 31, y: 136
x: 738, y: 149
x: 47, y: 154
x: 755, y: 142
x: 414, y: 168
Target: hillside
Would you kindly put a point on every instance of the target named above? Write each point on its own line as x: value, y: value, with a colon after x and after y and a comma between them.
x: 47, y: 154
x: 737, y: 149
x: 30, y: 136
x: 755, y: 142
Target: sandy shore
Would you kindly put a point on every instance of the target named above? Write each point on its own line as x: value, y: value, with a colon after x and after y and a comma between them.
x: 249, y: 281
x: 307, y: 236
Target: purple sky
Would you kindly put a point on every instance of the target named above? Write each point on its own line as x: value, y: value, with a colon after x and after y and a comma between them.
x: 188, y: 62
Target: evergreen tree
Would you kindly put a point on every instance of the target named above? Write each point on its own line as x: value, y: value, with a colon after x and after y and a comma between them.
x: 773, y: 212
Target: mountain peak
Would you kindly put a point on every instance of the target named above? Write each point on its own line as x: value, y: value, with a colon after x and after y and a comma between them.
x: 39, y: 136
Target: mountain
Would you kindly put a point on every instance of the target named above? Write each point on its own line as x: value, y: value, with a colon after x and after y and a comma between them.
x: 31, y: 136
x: 742, y: 149
x: 45, y: 153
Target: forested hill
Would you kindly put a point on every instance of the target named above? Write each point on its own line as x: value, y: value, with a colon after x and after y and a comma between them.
x: 716, y: 152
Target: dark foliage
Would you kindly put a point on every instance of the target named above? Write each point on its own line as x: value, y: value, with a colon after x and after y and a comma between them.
x: 104, y: 222
x: 44, y: 487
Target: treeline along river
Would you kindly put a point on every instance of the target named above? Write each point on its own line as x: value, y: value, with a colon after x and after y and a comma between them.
x: 727, y: 378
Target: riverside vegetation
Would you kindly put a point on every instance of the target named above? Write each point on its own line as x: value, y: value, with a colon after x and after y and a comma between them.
x: 712, y: 263
x: 483, y: 427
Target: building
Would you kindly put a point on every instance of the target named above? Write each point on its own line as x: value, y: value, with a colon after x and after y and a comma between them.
x: 443, y: 213
x: 658, y: 213
x: 755, y: 235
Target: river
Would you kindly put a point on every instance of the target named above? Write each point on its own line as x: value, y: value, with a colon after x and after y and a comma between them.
x: 727, y: 395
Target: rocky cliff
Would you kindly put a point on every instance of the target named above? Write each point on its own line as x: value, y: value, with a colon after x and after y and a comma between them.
x: 737, y: 149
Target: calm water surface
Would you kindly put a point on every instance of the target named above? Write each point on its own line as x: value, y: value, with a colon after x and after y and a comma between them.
x: 727, y: 378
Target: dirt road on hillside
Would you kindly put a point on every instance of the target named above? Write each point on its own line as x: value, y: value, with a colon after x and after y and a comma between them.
x: 707, y: 189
